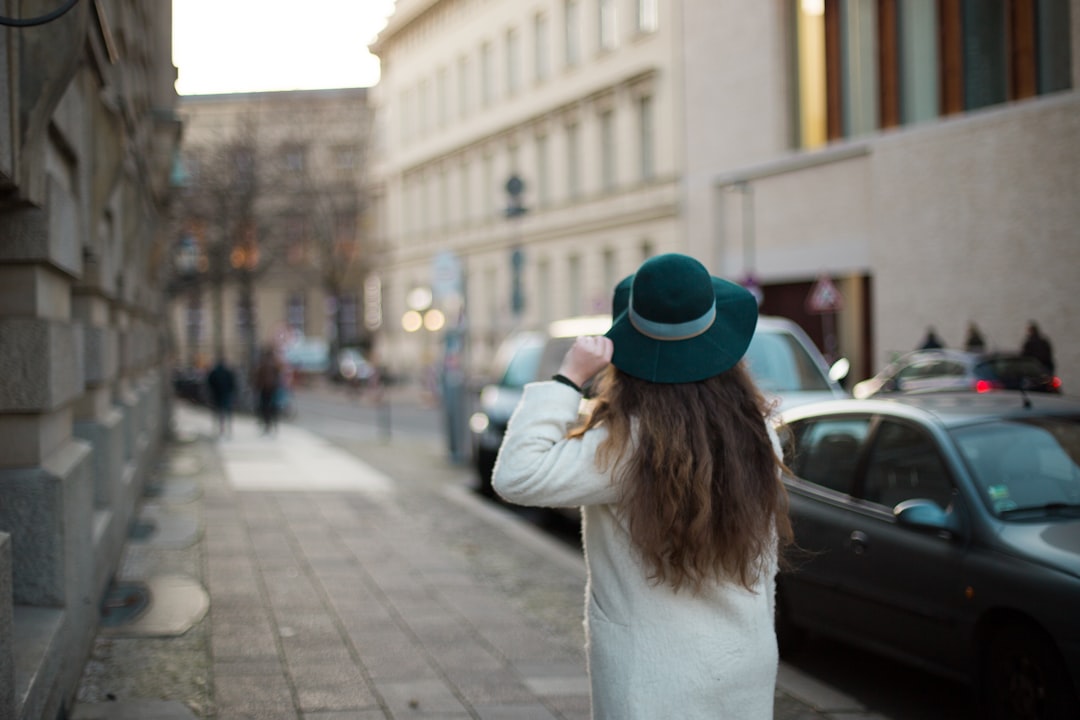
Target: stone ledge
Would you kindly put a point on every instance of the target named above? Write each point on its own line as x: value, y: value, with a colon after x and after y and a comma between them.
x: 37, y: 658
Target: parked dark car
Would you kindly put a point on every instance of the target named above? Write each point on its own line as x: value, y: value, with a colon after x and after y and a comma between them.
x: 783, y: 360
x: 934, y: 370
x: 943, y: 529
x: 524, y: 357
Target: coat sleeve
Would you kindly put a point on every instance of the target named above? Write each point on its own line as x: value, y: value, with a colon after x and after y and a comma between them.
x: 538, y: 465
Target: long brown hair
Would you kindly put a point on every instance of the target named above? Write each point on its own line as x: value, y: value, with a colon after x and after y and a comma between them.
x: 699, y: 481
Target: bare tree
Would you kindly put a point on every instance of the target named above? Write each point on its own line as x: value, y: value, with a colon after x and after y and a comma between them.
x: 218, y: 212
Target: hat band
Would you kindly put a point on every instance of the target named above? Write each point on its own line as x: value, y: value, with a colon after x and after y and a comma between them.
x: 672, y: 331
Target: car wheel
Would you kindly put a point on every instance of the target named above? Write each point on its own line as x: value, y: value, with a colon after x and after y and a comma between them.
x: 1023, y: 678
x: 485, y: 466
x: 789, y: 637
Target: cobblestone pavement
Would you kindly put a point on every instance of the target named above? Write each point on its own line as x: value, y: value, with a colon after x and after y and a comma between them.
x: 333, y: 589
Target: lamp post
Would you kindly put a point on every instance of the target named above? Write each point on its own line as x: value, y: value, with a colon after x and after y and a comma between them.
x: 515, y: 187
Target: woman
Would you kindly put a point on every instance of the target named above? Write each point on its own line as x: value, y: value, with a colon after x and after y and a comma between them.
x: 677, y: 471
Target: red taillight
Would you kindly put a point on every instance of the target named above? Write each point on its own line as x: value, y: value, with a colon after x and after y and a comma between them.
x: 985, y: 386
x: 1055, y: 383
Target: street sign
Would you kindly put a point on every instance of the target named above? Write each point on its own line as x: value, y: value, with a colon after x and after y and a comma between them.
x: 446, y: 274
x: 824, y: 297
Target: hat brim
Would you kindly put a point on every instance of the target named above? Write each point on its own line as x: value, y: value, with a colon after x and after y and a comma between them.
x: 712, y: 352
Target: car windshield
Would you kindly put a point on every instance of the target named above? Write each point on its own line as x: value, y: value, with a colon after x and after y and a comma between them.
x: 1009, y: 369
x: 1024, y: 465
x: 522, y: 366
x: 779, y: 364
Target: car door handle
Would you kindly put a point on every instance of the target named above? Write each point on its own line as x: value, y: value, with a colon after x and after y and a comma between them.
x: 858, y: 542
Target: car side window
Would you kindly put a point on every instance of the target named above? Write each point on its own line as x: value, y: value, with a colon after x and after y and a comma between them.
x: 826, y: 452
x: 904, y: 464
x: 951, y: 368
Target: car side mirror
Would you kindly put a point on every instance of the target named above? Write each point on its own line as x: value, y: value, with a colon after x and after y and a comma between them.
x: 925, y: 514
x: 839, y: 369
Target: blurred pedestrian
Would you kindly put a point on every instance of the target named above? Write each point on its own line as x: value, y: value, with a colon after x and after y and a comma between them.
x: 221, y: 381
x: 684, y: 513
x: 931, y: 341
x: 267, y: 383
x: 974, y: 342
x: 1038, y: 346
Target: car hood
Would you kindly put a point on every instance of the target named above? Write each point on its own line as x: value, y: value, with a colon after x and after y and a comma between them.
x: 789, y: 400
x: 1055, y: 543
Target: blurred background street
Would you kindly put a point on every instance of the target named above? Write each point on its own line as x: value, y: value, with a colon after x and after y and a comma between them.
x: 370, y: 223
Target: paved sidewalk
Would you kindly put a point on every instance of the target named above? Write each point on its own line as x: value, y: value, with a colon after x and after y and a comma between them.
x: 288, y: 579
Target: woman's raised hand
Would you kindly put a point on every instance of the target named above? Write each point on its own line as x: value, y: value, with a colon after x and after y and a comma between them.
x: 587, y: 356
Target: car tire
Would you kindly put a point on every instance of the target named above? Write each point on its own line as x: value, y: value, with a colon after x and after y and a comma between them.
x: 1022, y: 676
x: 485, y: 466
x: 790, y: 638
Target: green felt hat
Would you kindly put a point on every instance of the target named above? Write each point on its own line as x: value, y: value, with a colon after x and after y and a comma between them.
x: 679, y: 324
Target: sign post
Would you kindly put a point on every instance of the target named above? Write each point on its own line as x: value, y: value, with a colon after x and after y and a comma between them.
x: 825, y: 300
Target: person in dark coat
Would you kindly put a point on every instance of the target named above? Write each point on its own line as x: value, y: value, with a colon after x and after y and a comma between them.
x: 221, y: 381
x: 975, y: 342
x: 932, y: 341
x: 1037, y: 345
x: 266, y: 382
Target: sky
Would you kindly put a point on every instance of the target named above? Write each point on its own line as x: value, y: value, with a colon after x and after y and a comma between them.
x: 222, y: 46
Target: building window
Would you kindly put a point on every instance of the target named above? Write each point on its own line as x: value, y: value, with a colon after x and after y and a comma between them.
x: 444, y: 198
x: 295, y: 313
x: 646, y: 142
x: 648, y: 16
x: 543, y: 172
x: 489, y: 189
x: 466, y: 192
x: 918, y: 53
x: 424, y: 112
x: 609, y: 269
x: 487, y: 75
x: 575, y: 290
x: 608, y: 25
x: 544, y: 290
x: 293, y: 158
x: 513, y: 62
x: 243, y: 314
x: 345, y: 158
x: 463, y: 87
x: 607, y: 150
x: 541, y: 48
x: 647, y: 250
x: 442, y: 97
x: 572, y: 34
x: 573, y: 161
x: 869, y: 64
x: 408, y: 116
x: 348, y: 319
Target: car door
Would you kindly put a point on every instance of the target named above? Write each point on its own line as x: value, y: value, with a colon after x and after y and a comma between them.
x: 906, y: 584
x: 823, y: 454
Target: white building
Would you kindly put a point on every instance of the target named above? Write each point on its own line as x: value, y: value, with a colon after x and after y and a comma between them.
x: 923, y: 155
x: 584, y: 111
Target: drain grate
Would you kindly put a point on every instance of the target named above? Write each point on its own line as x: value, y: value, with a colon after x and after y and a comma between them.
x: 123, y: 603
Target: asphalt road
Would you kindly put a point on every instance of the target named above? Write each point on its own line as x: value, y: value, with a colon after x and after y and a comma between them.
x: 891, y: 689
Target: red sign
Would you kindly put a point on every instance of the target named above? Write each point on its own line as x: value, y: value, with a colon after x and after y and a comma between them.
x: 824, y: 297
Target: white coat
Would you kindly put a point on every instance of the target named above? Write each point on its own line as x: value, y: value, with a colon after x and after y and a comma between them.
x: 652, y: 653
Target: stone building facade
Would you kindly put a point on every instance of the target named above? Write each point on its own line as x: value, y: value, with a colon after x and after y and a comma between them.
x: 87, y: 137
x: 922, y: 156
x: 278, y: 250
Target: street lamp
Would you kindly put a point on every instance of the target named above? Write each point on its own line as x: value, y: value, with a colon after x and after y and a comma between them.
x: 515, y: 188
